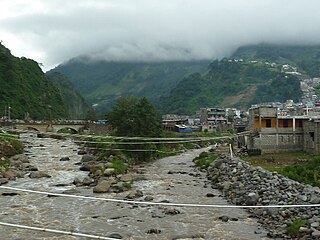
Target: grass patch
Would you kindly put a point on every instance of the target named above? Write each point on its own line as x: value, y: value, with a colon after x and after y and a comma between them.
x: 4, y: 164
x: 278, y: 161
x: 299, y: 166
x: 308, y: 172
x: 293, y: 229
x: 204, y: 160
x: 119, y: 166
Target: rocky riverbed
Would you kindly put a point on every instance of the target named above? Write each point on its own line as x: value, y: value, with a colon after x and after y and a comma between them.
x: 170, y: 180
x: 243, y: 184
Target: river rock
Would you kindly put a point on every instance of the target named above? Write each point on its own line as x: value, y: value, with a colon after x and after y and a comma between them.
x: 21, y: 158
x: 85, y: 167
x: 148, y: 198
x: 77, y: 181
x: 153, y: 231
x: 71, y: 191
x: 31, y: 168
x: 88, y: 158
x: 87, y: 181
x: 248, y: 185
x: 64, y: 159
x: 135, y: 194
x: 109, y: 172
x: 3, y: 181
x: 115, y: 236
x: 10, y: 174
x: 108, y: 165
x: 171, y: 211
x: 316, y: 234
x: 102, y: 187
x: 82, y: 152
x: 252, y: 198
x: 39, y: 174
x: 126, y: 178
x: 224, y: 218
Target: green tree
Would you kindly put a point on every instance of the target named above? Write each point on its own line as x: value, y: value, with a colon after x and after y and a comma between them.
x: 92, y: 115
x: 130, y: 117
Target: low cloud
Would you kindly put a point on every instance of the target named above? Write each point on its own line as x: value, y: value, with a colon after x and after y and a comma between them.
x: 54, y: 31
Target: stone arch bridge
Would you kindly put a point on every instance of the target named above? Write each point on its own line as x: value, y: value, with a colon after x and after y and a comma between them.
x: 47, y: 127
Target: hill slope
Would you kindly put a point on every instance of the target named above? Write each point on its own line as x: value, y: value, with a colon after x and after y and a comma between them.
x: 306, y: 58
x: 230, y: 83
x: 26, y: 89
x: 184, y: 87
x: 104, y: 82
x: 77, y: 107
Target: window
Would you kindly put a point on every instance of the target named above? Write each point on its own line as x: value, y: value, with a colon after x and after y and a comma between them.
x: 312, y: 135
x: 285, y: 123
x: 268, y: 123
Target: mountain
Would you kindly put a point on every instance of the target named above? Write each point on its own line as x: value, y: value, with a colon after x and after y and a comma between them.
x: 103, y: 82
x: 27, y: 90
x: 232, y: 83
x: 77, y: 107
x: 306, y: 58
x: 253, y: 74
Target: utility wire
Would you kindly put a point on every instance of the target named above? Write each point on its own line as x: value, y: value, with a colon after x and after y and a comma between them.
x: 54, y: 231
x: 159, y: 203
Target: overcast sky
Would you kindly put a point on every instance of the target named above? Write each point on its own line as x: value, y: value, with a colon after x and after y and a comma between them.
x: 53, y: 31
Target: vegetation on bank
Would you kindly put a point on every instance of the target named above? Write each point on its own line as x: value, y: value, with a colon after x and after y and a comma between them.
x: 135, y: 118
x: 204, y: 160
x: 299, y: 166
x: 9, y: 145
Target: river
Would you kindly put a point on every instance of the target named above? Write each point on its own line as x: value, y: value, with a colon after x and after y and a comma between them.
x: 171, y: 179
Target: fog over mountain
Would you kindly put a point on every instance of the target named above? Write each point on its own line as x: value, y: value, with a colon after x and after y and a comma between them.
x: 54, y: 31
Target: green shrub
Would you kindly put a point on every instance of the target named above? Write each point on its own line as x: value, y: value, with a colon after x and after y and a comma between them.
x: 308, y: 172
x: 293, y: 229
x: 119, y: 166
x: 204, y: 160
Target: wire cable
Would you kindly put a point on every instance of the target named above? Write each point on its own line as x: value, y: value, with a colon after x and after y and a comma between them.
x: 159, y: 203
x: 54, y: 231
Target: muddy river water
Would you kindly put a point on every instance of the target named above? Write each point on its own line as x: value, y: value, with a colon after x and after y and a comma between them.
x: 171, y: 179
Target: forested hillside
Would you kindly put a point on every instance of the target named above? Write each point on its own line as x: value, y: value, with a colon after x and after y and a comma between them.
x: 77, y: 107
x: 306, y: 58
x: 102, y: 82
x: 27, y: 90
x: 230, y: 83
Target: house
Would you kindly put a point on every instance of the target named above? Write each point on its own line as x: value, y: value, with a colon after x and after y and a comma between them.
x: 169, y: 121
x: 270, y: 131
x: 213, y: 119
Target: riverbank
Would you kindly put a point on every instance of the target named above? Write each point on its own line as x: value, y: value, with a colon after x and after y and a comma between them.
x: 13, y: 163
x: 243, y: 184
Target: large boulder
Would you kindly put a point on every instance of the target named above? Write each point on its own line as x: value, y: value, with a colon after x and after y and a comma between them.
x: 109, y: 172
x: 102, y: 187
x: 39, y: 174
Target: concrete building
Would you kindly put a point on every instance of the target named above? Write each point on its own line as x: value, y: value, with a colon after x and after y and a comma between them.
x: 271, y: 132
x: 213, y: 119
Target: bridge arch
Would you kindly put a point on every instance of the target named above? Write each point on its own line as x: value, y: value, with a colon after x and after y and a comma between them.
x: 67, y: 130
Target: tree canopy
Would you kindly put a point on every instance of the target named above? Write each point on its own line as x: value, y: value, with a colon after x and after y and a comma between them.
x: 132, y: 117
